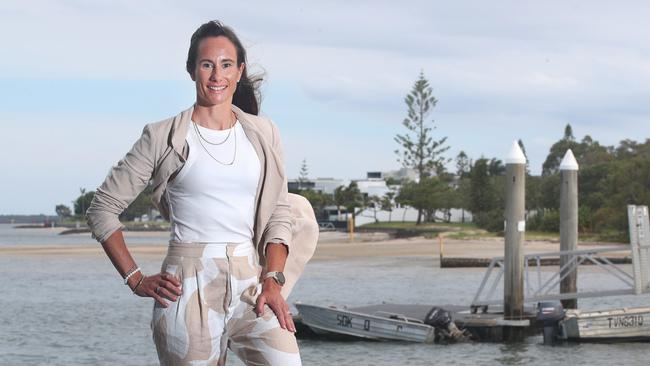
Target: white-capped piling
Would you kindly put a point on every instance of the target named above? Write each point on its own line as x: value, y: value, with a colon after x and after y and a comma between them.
x: 568, y: 226
x: 515, y: 228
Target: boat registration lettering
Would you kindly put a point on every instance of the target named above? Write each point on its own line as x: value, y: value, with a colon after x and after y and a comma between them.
x: 344, y: 320
x: 629, y: 321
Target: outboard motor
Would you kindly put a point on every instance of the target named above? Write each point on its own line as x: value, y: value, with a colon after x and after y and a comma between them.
x: 438, y: 318
x: 445, y: 329
x: 550, y: 313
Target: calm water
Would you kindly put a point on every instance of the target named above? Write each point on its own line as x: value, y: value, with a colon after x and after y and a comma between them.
x: 76, y: 311
x: 50, y: 236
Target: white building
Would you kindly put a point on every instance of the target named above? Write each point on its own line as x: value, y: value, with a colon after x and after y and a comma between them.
x: 373, y: 185
x: 329, y: 185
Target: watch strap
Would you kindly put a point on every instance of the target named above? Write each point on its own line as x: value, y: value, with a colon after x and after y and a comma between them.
x: 276, y: 276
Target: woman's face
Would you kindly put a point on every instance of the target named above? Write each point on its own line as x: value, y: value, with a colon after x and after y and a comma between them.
x: 216, y: 73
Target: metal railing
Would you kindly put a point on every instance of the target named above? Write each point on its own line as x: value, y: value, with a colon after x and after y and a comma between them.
x: 537, y: 288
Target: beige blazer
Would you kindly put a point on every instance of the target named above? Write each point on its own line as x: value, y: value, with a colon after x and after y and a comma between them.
x: 162, y: 150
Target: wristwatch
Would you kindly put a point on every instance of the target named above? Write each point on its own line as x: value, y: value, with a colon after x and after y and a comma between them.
x: 277, y: 276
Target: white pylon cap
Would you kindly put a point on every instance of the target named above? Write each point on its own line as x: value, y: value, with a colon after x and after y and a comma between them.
x: 569, y: 161
x: 515, y: 156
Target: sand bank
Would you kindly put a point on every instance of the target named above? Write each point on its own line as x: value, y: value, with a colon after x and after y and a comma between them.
x: 339, y: 246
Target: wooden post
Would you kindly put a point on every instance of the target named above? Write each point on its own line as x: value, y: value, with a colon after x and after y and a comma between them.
x: 569, y: 225
x: 515, y: 227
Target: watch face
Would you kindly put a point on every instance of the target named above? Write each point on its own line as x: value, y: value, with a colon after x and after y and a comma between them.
x: 280, y: 278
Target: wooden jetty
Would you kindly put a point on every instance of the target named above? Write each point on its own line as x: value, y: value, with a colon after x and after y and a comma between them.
x: 632, y: 281
x: 500, y: 313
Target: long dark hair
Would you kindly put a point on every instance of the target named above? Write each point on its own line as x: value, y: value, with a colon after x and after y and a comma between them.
x: 247, y: 95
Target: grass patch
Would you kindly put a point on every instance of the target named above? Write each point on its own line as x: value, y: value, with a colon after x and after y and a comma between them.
x: 542, y: 235
x: 469, y: 231
x: 471, y: 234
x: 411, y: 225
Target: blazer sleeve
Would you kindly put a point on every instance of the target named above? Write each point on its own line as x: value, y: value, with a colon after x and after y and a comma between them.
x: 122, y: 185
x: 278, y: 228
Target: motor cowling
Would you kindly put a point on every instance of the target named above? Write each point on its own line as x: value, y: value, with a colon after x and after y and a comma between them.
x: 549, y: 313
x: 445, y: 329
x: 438, y: 318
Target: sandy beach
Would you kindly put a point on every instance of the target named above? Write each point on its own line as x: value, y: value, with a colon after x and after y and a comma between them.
x: 336, y: 246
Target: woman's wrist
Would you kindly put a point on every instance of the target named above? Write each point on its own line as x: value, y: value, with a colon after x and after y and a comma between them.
x: 271, y: 285
x: 135, y: 281
x: 130, y: 273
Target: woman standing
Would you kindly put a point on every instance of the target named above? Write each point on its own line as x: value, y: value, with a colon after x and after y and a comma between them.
x: 217, y: 174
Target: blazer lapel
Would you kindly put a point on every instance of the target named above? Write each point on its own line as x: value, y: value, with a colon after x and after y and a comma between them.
x: 271, y: 179
x: 179, y: 131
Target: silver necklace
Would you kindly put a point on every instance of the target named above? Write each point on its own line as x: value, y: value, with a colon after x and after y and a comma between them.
x: 216, y: 143
x: 234, y: 155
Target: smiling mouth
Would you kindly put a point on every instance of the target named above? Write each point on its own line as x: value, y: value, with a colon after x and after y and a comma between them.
x: 216, y: 88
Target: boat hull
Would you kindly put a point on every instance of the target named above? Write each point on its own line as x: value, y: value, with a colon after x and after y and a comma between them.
x: 328, y: 320
x: 625, y: 325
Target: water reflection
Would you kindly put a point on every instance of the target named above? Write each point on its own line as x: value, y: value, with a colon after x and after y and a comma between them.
x: 514, y: 354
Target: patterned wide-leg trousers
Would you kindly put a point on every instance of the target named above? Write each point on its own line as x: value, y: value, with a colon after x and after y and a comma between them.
x: 216, y: 310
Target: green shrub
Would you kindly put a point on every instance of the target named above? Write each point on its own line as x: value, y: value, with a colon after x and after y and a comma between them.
x: 544, y: 220
x: 491, y: 221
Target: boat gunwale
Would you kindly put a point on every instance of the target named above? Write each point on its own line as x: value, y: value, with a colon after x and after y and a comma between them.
x: 414, y: 336
x: 418, y: 325
x: 579, y: 314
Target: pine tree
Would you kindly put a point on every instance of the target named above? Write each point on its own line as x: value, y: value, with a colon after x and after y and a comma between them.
x: 462, y: 164
x: 568, y: 133
x: 303, y: 176
x: 419, y: 150
x: 556, y: 153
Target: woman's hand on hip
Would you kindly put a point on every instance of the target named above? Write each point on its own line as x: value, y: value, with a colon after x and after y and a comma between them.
x: 272, y: 297
x: 160, y: 286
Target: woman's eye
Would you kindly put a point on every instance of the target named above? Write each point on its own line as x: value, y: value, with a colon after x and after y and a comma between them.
x: 206, y: 65
x: 227, y: 64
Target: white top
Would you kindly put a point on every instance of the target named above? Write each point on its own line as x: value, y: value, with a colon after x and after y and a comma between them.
x: 569, y: 161
x: 211, y: 202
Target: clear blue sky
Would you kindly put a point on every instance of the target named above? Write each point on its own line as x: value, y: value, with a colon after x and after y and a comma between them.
x: 79, y: 79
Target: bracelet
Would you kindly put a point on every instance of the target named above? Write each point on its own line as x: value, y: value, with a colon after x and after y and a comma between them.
x: 131, y: 273
x: 139, y: 282
x: 133, y: 268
